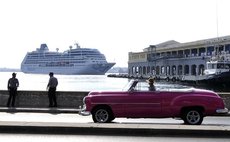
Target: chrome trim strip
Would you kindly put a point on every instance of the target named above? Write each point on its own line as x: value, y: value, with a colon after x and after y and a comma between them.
x: 225, y: 110
x: 127, y: 103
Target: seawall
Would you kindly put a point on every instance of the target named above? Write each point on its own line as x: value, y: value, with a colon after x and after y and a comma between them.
x: 65, y: 99
x: 39, y: 99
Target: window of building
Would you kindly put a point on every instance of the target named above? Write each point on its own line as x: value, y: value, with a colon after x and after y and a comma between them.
x: 194, y: 52
x: 201, y: 51
x: 162, y: 70
x: 227, y: 48
x: 187, y: 52
x: 186, y: 70
x: 210, y: 49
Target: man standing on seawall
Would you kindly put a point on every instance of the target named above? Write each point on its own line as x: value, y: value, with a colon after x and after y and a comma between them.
x: 12, y: 86
x: 51, y: 86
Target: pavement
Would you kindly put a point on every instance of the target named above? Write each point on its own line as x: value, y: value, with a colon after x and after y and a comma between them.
x: 90, y: 128
x: 39, y: 110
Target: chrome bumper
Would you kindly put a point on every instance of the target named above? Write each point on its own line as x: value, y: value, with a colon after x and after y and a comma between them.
x: 222, y: 111
x: 83, y: 112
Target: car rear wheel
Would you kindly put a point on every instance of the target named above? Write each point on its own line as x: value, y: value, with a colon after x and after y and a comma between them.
x: 193, y: 117
x: 102, y: 115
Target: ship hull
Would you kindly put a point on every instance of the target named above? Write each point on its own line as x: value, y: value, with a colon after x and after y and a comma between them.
x: 221, y: 80
x: 90, y: 69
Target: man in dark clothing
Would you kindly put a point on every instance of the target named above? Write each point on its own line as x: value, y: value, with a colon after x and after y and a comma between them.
x: 51, y: 86
x: 12, y: 86
x: 151, y: 84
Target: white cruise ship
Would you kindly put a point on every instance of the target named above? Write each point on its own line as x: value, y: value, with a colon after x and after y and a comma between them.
x: 79, y: 61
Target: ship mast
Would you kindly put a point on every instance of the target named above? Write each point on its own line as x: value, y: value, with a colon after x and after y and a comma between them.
x: 217, y: 21
x: 77, y: 45
x: 217, y: 46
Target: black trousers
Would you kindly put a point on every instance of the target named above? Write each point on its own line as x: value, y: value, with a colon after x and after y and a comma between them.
x: 52, y: 97
x: 11, y: 99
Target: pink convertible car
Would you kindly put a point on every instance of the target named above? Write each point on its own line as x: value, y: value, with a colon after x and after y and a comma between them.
x: 137, y: 101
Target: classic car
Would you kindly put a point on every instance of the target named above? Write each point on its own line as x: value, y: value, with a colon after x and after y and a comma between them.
x: 189, y: 104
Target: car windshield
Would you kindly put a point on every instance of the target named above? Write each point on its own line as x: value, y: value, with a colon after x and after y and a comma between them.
x: 130, y: 85
x: 137, y: 85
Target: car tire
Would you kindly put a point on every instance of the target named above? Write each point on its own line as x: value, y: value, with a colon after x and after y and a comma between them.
x: 102, y: 115
x: 193, y: 117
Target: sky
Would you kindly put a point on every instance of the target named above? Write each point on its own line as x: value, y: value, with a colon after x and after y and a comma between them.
x: 114, y: 27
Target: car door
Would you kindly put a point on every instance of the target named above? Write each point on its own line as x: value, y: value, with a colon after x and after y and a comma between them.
x: 143, y: 104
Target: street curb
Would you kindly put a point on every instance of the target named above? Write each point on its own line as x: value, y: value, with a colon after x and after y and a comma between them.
x: 57, y: 110
x: 119, y: 130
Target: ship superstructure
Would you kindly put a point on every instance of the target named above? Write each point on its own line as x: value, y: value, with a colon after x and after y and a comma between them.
x: 80, y: 61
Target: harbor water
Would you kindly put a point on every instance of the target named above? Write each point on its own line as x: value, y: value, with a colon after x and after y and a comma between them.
x: 38, y: 82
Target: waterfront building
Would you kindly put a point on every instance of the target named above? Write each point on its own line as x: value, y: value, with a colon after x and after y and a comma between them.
x: 175, y: 60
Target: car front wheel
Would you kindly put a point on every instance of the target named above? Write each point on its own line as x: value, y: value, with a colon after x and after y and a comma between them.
x: 193, y: 117
x: 102, y: 115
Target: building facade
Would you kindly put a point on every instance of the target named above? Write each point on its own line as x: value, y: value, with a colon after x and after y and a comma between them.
x: 174, y: 59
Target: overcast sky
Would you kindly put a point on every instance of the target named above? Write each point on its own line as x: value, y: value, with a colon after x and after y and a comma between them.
x: 115, y: 27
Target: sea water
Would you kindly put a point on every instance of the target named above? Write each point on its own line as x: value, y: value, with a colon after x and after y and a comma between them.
x: 38, y: 82
x: 65, y: 82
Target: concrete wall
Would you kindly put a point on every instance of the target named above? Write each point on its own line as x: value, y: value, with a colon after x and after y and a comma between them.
x: 226, y: 98
x: 39, y: 99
